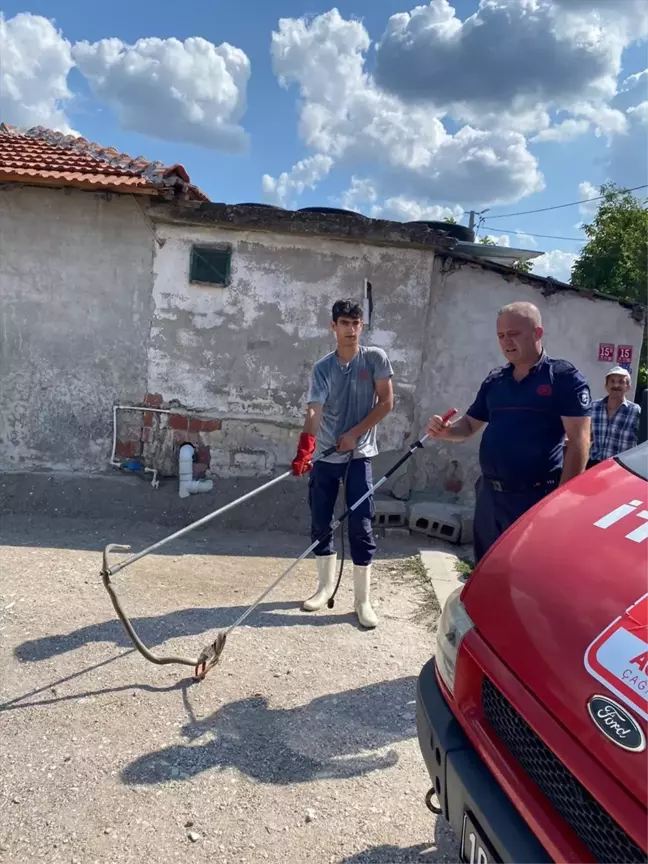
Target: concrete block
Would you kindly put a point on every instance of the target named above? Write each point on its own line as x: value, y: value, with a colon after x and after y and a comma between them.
x: 436, y: 520
x: 466, y: 529
x: 390, y: 513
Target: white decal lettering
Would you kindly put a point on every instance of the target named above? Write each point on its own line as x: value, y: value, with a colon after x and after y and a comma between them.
x: 471, y: 838
x: 640, y: 533
x: 617, y: 515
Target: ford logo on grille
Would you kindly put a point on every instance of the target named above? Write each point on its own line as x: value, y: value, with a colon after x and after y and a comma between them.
x: 616, y: 724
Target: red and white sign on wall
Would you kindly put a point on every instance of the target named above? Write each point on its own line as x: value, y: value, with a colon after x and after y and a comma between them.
x: 624, y: 353
x: 606, y: 351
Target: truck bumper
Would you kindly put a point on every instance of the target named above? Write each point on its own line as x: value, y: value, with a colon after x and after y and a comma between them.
x: 487, y: 825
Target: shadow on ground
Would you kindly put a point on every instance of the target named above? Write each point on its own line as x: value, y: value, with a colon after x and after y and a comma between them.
x: 328, y: 738
x: 442, y: 848
x: 158, y: 629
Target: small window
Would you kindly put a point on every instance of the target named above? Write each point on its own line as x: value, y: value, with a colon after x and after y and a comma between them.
x: 210, y: 265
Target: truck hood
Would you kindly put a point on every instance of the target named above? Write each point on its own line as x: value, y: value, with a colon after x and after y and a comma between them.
x: 553, y: 591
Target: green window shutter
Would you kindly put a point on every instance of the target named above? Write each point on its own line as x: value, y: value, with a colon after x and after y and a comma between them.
x: 210, y: 265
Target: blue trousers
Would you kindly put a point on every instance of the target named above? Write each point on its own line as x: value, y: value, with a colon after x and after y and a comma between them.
x: 497, y: 511
x: 323, y: 489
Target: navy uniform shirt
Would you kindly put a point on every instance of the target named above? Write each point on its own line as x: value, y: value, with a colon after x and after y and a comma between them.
x: 523, y: 441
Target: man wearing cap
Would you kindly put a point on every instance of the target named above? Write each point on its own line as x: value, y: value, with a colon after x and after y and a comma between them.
x: 527, y: 406
x: 615, y: 420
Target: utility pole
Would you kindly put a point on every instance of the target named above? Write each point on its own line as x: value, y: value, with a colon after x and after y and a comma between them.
x: 471, y: 218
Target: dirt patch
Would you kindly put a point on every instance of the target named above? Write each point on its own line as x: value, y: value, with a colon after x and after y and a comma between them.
x: 300, y: 746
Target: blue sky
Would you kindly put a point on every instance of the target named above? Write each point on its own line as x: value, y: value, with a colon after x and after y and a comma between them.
x: 395, y: 112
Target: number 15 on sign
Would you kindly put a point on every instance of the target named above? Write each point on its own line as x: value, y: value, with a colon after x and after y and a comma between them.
x: 624, y: 353
x: 606, y: 351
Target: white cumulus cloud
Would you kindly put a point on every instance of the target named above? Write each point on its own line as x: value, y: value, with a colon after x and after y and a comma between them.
x: 306, y: 174
x: 512, y: 62
x: 639, y: 113
x: 565, y: 131
x: 587, y: 190
x: 35, y: 60
x: 626, y: 162
x: 344, y: 115
x: 546, y: 52
x: 403, y: 209
x: 191, y: 91
x: 361, y: 191
x: 363, y: 196
x: 557, y: 264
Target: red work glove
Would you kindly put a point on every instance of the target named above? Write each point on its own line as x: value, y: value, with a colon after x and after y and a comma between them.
x: 303, y: 461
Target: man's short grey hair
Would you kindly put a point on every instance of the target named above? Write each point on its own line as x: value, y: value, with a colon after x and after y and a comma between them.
x: 523, y: 309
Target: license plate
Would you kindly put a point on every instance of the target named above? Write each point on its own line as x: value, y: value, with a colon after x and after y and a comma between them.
x: 475, y: 848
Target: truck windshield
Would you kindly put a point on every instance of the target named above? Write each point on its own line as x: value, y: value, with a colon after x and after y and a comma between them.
x: 636, y: 460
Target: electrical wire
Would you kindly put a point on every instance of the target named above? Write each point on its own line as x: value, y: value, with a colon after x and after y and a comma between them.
x: 531, y: 234
x: 560, y: 206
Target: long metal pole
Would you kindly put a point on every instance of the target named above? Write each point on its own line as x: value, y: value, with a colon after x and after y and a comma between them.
x: 111, y: 571
x: 336, y: 524
x: 211, y: 654
x: 205, y: 519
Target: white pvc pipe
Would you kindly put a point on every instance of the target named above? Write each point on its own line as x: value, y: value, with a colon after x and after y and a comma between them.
x: 187, y: 485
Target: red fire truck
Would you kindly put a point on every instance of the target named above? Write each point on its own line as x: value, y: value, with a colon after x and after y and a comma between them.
x: 532, y: 714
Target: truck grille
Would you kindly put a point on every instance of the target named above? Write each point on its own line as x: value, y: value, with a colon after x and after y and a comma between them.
x: 606, y: 840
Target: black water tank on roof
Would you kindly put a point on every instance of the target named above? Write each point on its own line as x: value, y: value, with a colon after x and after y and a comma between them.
x: 459, y: 232
x: 256, y: 204
x: 334, y: 210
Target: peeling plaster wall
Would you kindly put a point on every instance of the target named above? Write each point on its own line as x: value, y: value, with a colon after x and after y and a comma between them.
x: 92, y: 315
x: 243, y: 353
x: 461, y: 348
x: 75, y: 295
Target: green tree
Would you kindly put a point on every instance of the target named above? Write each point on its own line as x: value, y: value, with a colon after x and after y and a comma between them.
x: 487, y: 241
x: 523, y: 266
x: 451, y: 220
x: 615, y: 258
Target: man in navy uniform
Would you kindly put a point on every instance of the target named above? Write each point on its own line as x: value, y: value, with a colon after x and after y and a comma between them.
x: 527, y: 407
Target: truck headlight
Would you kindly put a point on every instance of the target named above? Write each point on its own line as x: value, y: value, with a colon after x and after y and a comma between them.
x: 453, y: 626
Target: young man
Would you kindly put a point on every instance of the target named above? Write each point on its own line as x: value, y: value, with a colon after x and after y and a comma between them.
x: 529, y: 404
x: 350, y: 393
x: 615, y: 420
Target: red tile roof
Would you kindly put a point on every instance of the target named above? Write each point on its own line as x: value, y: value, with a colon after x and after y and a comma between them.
x: 50, y: 158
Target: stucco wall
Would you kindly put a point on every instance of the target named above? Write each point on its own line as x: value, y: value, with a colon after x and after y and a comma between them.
x: 92, y: 315
x: 461, y: 348
x: 243, y: 353
x: 75, y: 294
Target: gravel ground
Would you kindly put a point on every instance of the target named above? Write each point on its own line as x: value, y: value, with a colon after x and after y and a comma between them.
x: 300, y: 747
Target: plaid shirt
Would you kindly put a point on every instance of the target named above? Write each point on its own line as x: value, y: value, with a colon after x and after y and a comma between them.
x: 611, y: 436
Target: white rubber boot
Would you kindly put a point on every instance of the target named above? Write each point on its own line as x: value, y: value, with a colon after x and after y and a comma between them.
x: 361, y: 587
x: 325, y: 583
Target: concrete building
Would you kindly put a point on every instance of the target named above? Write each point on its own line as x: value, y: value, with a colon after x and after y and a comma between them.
x: 240, y: 349
x: 76, y: 257
x: 145, y: 294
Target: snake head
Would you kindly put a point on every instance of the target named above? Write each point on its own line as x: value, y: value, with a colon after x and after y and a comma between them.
x: 209, y: 656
